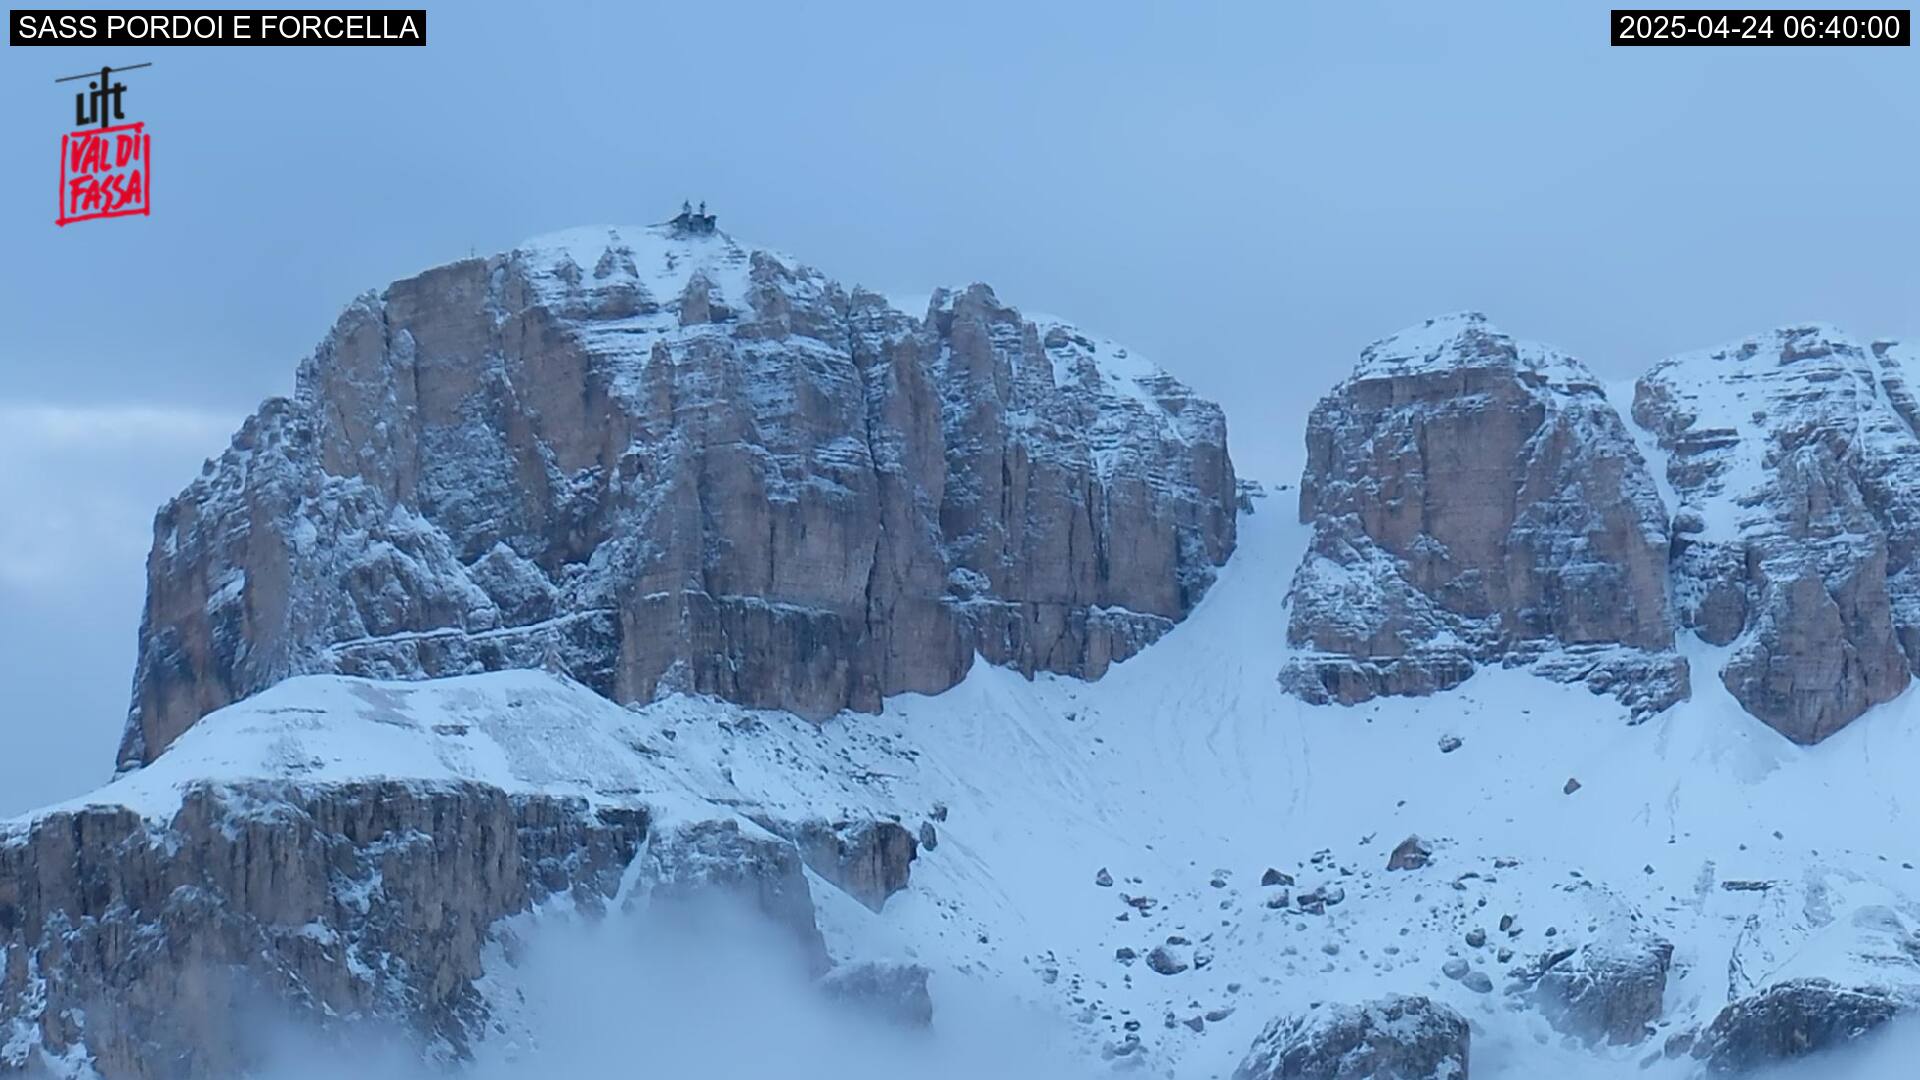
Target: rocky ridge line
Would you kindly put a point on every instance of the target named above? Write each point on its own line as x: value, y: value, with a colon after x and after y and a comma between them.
x: 1477, y: 500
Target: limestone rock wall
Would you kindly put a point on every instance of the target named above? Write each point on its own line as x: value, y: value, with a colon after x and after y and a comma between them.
x: 1476, y: 500
x: 1795, y: 463
x: 663, y: 461
x: 152, y: 950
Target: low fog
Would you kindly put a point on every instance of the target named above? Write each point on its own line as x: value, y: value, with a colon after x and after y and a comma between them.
x: 711, y: 992
x: 715, y: 992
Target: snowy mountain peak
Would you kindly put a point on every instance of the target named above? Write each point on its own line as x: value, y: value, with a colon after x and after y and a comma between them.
x: 1821, y: 343
x: 657, y: 460
x: 1453, y: 336
x: 1787, y: 461
x: 1793, y: 457
x: 657, y: 258
x: 1468, y: 341
x: 1477, y: 500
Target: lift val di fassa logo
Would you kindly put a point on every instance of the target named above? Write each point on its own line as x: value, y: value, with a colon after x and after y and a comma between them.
x: 106, y: 163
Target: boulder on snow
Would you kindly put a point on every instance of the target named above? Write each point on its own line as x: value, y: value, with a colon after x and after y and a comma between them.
x: 1393, y: 1038
x: 1168, y: 960
x: 1790, y: 1020
x: 1411, y: 854
x: 1608, y: 990
x: 1317, y: 900
x: 896, y: 993
x: 1275, y: 877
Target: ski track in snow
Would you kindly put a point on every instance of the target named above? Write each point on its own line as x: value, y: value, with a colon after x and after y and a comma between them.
x: 1186, y: 761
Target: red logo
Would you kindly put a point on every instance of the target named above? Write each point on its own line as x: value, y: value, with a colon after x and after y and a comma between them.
x: 105, y: 172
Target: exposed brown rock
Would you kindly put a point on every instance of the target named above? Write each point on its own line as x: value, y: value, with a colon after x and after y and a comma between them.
x: 1410, y: 854
x: 1794, y: 457
x: 163, y: 948
x: 1476, y: 500
x: 867, y: 860
x: 660, y: 461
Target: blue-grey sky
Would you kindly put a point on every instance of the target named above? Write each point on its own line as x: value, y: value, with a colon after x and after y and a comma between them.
x: 1248, y: 193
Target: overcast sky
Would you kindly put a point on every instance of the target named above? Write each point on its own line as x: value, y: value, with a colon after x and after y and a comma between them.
x: 1246, y: 193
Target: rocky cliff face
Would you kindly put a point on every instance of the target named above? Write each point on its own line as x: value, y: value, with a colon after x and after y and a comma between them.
x: 1477, y: 500
x: 659, y: 460
x: 1796, y: 469
x: 341, y: 855
x: 148, y: 947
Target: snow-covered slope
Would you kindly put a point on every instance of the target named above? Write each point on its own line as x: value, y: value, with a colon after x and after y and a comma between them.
x: 1186, y: 775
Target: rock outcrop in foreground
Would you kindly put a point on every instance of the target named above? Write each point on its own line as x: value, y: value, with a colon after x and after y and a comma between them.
x: 151, y: 949
x: 658, y: 460
x: 1395, y: 1038
x: 272, y: 871
x: 1607, y: 990
x: 1791, y: 1020
x: 1476, y: 500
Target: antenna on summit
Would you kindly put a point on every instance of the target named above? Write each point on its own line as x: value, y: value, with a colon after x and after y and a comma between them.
x: 693, y: 222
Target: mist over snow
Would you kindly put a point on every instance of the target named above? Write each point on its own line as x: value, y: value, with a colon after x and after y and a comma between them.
x: 716, y: 993
x: 679, y: 991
